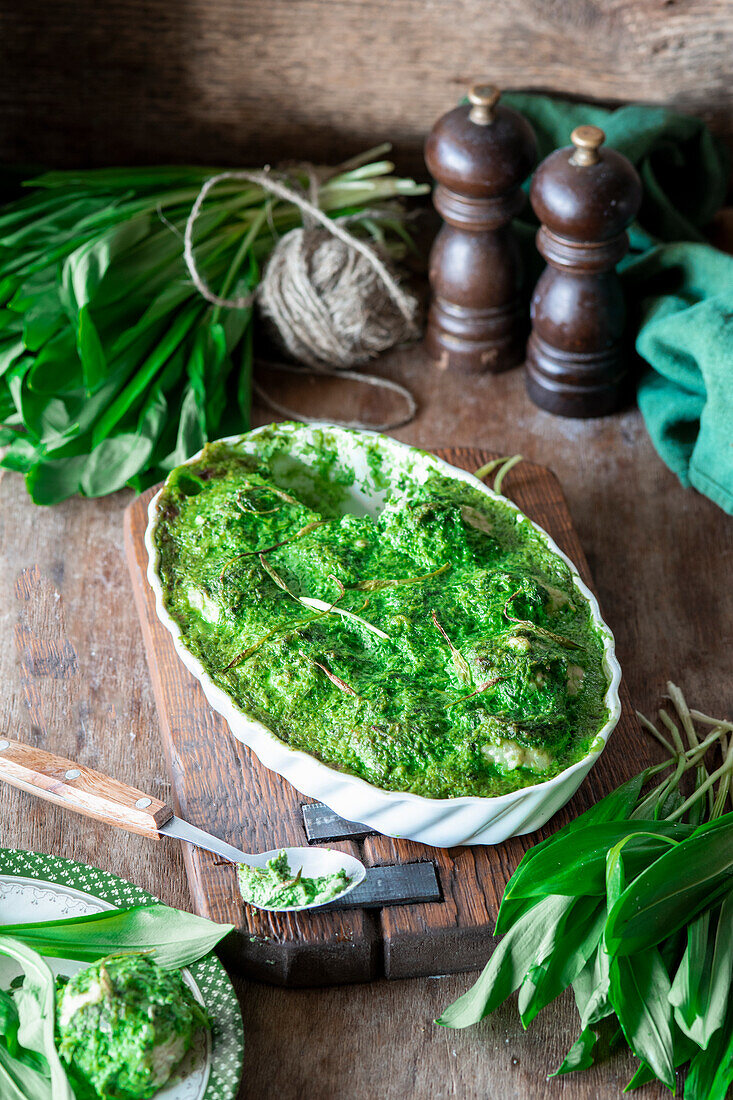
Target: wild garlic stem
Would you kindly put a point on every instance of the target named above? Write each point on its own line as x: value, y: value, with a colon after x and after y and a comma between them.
x: 658, y: 768
x: 360, y: 159
x: 652, y: 729
x: 697, y: 754
x: 671, y: 726
x: 679, y: 702
x: 256, y: 225
x: 683, y: 710
x: 658, y: 796
x: 723, y: 770
x: 489, y: 468
x: 721, y: 798
x: 503, y: 465
x: 708, y: 721
x: 504, y: 470
x: 683, y: 759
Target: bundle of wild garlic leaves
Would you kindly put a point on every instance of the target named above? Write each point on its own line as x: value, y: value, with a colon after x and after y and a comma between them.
x: 631, y: 904
x: 30, y: 1066
x: 113, y: 368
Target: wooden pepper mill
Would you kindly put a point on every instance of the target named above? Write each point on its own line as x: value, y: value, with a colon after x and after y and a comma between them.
x: 585, y: 197
x: 479, y: 154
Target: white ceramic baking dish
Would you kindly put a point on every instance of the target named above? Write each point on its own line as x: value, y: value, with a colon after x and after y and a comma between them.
x: 375, y: 462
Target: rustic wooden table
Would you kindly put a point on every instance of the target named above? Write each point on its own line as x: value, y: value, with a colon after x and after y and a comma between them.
x: 75, y: 679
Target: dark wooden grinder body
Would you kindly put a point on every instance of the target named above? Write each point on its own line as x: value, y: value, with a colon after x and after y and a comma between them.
x: 584, y: 196
x: 479, y: 155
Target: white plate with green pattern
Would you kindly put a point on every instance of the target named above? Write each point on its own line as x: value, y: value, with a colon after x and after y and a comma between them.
x: 40, y: 887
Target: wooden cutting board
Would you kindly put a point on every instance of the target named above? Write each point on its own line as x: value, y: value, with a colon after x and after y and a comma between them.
x: 422, y: 910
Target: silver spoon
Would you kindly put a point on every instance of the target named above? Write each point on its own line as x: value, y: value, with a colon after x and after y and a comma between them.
x: 98, y: 796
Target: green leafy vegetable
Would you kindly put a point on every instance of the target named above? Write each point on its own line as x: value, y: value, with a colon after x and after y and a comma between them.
x: 172, y: 937
x: 35, y: 1003
x: 639, y: 993
x: 21, y: 1081
x: 113, y: 369
x: 512, y: 959
x: 631, y: 904
x: 711, y: 1070
x: 672, y: 891
x: 702, y: 983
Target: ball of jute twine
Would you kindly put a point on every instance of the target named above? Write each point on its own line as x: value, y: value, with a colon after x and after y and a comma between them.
x: 331, y: 299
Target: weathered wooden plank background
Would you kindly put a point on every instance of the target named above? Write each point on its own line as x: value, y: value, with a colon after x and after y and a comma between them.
x: 236, y: 81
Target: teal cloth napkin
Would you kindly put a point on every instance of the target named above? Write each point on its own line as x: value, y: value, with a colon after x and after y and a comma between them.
x: 679, y: 287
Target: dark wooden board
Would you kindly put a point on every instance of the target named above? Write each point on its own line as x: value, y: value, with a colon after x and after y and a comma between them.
x: 219, y: 785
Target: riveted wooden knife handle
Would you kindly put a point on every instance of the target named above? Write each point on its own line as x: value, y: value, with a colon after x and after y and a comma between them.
x: 79, y: 788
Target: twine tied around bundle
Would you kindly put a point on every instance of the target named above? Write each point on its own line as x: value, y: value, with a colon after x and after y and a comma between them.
x: 330, y: 298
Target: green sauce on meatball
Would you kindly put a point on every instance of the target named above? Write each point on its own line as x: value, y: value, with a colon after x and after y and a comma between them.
x: 125, y: 1025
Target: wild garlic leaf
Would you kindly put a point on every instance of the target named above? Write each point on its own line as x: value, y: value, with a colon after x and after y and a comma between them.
x: 580, y: 1055
x: 615, y: 873
x: 639, y: 992
x: 87, y: 265
x: 691, y: 981
x: 510, y: 910
x: 684, y: 1049
x: 113, y: 462
x: 616, y: 806
x: 51, y: 482
x: 513, y: 956
x: 702, y: 986
x: 628, y: 858
x: 575, y: 864
x: 683, y: 882
x: 91, y: 352
x: 718, y: 823
x: 173, y: 938
x: 9, y: 1022
x: 36, y: 1005
x: 591, y: 988
x: 711, y: 1070
x: 719, y: 990
x: 575, y: 942
x: 20, y: 1081
x: 145, y: 374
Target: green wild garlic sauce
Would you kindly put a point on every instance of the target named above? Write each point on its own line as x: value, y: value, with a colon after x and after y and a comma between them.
x: 279, y: 886
x: 440, y: 648
x: 124, y: 1027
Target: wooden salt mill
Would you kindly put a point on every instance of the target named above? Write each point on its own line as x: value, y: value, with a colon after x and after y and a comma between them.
x: 585, y: 197
x: 479, y: 154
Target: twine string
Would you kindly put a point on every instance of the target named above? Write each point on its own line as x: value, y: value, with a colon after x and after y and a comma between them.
x: 268, y: 183
x: 292, y: 267
x: 355, y: 376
